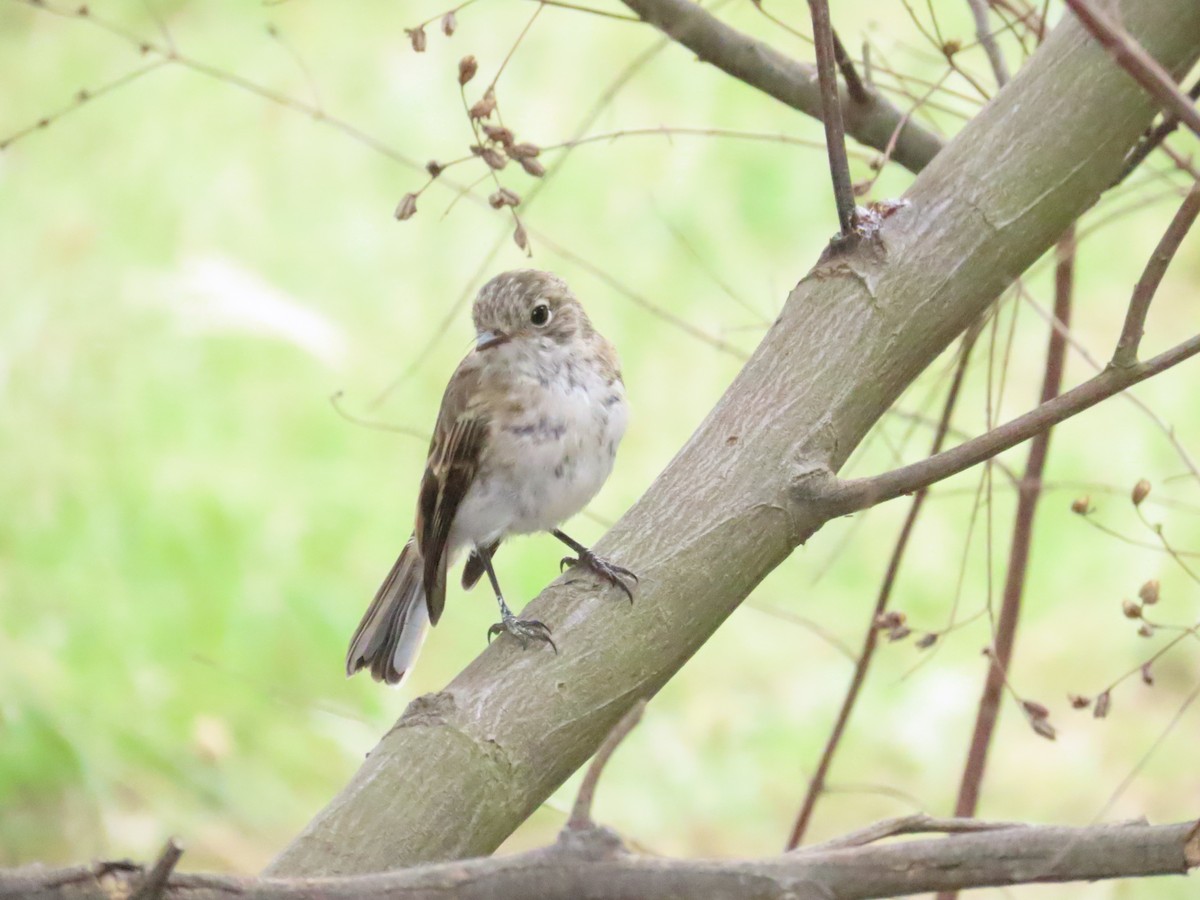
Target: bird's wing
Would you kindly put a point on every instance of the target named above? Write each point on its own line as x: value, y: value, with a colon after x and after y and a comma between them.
x: 459, y: 441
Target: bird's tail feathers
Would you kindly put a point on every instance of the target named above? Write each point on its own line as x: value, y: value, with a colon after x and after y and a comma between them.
x: 392, y: 630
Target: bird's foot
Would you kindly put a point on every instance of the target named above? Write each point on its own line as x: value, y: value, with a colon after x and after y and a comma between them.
x: 605, y: 570
x: 524, y: 630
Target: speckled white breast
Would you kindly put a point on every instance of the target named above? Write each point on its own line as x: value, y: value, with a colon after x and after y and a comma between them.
x: 545, y: 461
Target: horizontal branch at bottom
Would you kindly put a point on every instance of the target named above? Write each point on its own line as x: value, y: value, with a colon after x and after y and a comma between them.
x: 595, y: 864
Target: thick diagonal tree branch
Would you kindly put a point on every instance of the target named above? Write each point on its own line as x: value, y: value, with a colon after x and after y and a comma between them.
x: 787, y: 80
x: 464, y: 766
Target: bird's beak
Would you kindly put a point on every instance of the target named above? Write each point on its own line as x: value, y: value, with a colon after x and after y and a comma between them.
x: 485, y: 340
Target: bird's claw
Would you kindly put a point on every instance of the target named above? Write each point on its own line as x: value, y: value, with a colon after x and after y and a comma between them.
x: 605, y: 570
x: 524, y: 630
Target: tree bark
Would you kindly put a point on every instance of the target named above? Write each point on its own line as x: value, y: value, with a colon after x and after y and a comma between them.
x: 595, y: 865
x: 463, y: 767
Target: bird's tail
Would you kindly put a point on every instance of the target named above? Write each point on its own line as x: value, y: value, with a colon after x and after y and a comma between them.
x: 390, y: 635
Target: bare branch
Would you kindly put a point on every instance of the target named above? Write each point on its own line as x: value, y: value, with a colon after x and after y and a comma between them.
x: 831, y: 115
x: 1138, y: 63
x: 581, y: 812
x: 850, y: 496
x: 785, y: 79
x: 983, y: 31
x: 854, y: 84
x: 816, y: 784
x: 1029, y: 493
x: 1152, y: 276
x: 154, y: 883
x: 981, y: 855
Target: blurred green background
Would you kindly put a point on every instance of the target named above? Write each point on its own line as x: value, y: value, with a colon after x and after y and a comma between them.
x: 189, y: 531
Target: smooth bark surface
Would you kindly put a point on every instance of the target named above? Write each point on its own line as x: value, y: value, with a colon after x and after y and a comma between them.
x: 463, y: 767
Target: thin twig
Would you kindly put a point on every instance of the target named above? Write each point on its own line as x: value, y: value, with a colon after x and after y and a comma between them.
x: 581, y: 813
x: 1135, y: 318
x: 845, y: 497
x: 1154, y: 138
x: 155, y: 881
x: 1018, y: 561
x: 854, y: 85
x: 831, y: 115
x: 979, y: 9
x: 816, y: 784
x: 1133, y: 58
x: 917, y: 823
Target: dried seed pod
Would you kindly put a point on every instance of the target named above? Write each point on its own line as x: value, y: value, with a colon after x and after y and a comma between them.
x: 406, y: 207
x: 1101, y: 708
x: 1148, y: 592
x: 1044, y: 728
x: 467, y: 67
x: 532, y: 166
x: 1141, y: 490
x: 520, y: 237
x: 493, y: 158
x: 899, y: 633
x: 1146, y: 630
x: 504, y: 197
x: 890, y: 619
x: 524, y: 150
x: 1035, y: 710
x: 499, y: 134
x: 925, y: 641
x: 485, y: 107
x: 1131, y: 609
x: 1147, y: 675
x: 1081, y: 506
x: 1078, y: 701
x: 449, y: 23
x: 434, y: 168
x: 416, y: 37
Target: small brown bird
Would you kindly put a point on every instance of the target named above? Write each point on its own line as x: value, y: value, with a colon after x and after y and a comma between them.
x: 526, y: 436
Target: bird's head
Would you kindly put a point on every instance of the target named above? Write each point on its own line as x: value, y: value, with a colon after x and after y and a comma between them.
x: 525, y: 304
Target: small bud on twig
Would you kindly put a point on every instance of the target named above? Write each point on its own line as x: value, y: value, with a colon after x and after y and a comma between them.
x: 1140, y: 491
x: 449, y: 23
x: 434, y: 168
x: 925, y: 641
x: 520, y: 237
x: 1082, y: 505
x: 1146, y: 630
x: 1131, y: 609
x: 1101, y: 708
x: 406, y: 207
x: 1147, y: 676
x: 1078, y: 701
x: 467, y: 67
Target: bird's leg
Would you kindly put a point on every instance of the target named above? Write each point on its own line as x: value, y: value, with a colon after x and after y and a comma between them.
x: 524, y: 630
x: 607, y: 571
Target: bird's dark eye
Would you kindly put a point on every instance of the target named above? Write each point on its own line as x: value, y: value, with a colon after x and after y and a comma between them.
x: 540, y: 315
